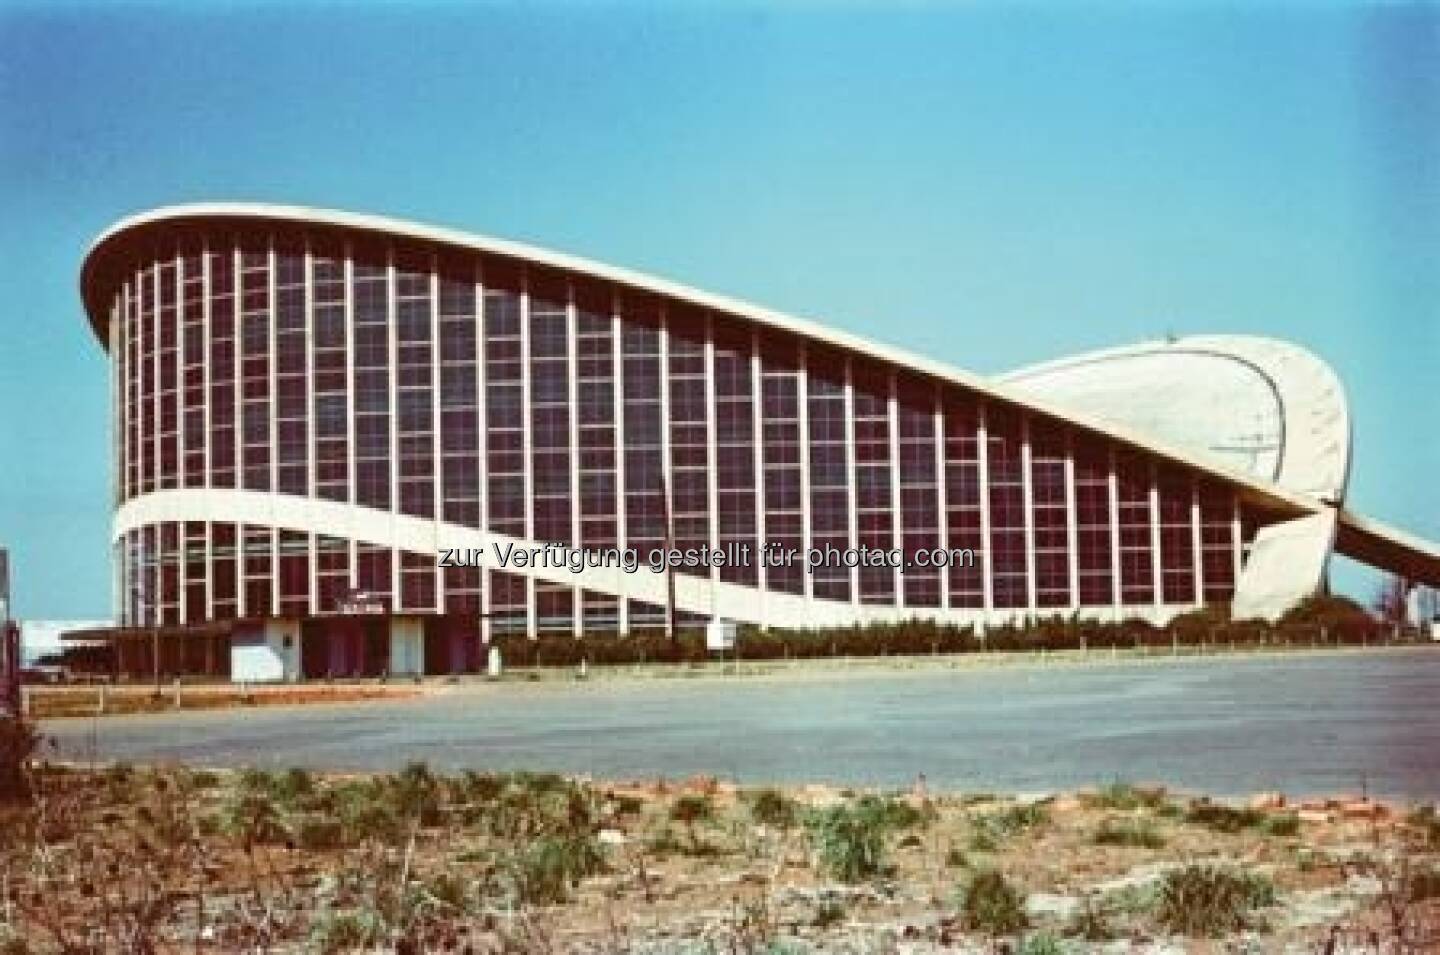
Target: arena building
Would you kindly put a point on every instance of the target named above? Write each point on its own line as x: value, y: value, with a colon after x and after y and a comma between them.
x: 313, y: 408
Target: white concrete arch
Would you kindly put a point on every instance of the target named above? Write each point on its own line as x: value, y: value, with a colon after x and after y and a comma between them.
x: 1258, y: 405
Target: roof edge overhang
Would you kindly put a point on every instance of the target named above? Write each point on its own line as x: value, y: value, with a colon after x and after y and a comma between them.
x: 113, y: 240
x: 1379, y: 545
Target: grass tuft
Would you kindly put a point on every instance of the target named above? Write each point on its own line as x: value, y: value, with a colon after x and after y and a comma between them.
x: 1128, y: 832
x: 1202, y: 900
x: 990, y: 903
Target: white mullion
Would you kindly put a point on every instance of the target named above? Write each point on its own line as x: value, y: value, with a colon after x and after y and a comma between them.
x: 272, y: 359
x: 572, y: 363
x: 617, y: 359
x: 393, y: 381
x: 1072, y: 534
x: 802, y: 417
x: 437, y: 474
x: 897, y: 516
x: 527, y: 465
x: 757, y: 389
x: 982, y: 454
x: 182, y: 570
x: 115, y: 332
x: 1156, y: 564
x: 1028, y: 505
x: 208, y: 547
x: 206, y: 308
x: 180, y: 403
x: 851, y: 463
x: 712, y: 448
x: 272, y: 441
x: 482, y: 465
x: 237, y: 352
x: 1237, y: 540
x: 1113, y: 488
x: 312, y: 463
x: 942, y: 507
x: 666, y: 471
x: 126, y: 405
x: 348, y: 270
x: 1197, y: 543
x: 237, y: 365
x: 155, y: 349
x: 122, y: 407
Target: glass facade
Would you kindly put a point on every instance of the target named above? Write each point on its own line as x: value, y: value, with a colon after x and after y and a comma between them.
x: 480, y: 392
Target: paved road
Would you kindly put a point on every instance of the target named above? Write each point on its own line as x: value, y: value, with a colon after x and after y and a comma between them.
x: 1310, y: 723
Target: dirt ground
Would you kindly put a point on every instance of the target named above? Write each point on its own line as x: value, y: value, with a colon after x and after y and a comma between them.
x: 46, y: 702
x: 169, y: 859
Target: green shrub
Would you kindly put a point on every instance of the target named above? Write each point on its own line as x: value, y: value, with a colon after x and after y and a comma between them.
x: 1220, y: 818
x: 1423, y: 884
x: 293, y: 785
x: 317, y: 833
x: 896, y: 814
x: 1128, y: 832
x: 348, y: 931
x: 849, y: 841
x: 990, y: 903
x: 627, y: 805
x: 252, y: 818
x: 1041, y: 943
x: 828, y: 913
x: 665, y: 843
x: 449, y: 890
x: 691, y: 808
x: 771, y: 807
x: 990, y: 829
x: 1091, y: 920
x: 415, y: 794
x: 1125, y: 796
x: 1284, y: 824
x: 1426, y: 824
x: 365, y: 814
x: 1209, y: 901
x: 544, y: 872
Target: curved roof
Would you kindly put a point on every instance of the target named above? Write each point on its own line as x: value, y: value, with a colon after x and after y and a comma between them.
x: 101, y: 270
x: 1266, y: 407
x: 1364, y: 539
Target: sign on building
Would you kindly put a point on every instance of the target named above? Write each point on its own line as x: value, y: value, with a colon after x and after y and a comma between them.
x: 360, y: 602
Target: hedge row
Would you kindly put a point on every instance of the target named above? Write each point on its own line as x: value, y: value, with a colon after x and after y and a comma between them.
x: 1325, y: 620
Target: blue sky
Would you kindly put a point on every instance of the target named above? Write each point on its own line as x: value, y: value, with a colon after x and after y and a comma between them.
x: 988, y: 185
